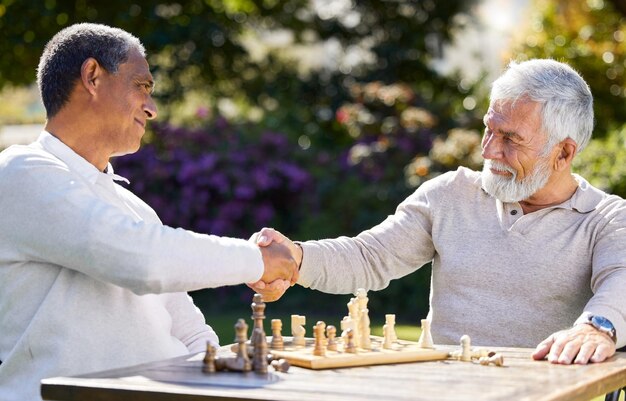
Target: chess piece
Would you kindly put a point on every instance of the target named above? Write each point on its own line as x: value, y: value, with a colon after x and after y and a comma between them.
x: 297, y: 330
x: 241, y: 336
x: 320, y: 339
x: 349, y: 345
x: 466, y: 350
x: 355, y: 316
x: 388, y: 336
x: 240, y: 362
x: 277, y: 338
x: 331, y: 332
x: 259, y: 358
x: 364, y: 319
x: 281, y: 365
x: 495, y: 358
x: 346, y: 323
x: 426, y: 339
x: 258, y: 314
x: 209, y: 359
x: 390, y: 323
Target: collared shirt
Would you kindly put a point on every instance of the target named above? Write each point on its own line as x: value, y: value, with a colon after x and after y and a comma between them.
x: 90, y: 279
x: 498, y: 275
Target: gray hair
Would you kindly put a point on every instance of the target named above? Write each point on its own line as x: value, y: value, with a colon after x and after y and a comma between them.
x: 567, y: 104
x: 63, y: 57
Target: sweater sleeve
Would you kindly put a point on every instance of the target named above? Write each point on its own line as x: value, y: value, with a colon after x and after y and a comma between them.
x: 188, y: 323
x: 54, y: 217
x: 609, y: 270
x: 396, y: 247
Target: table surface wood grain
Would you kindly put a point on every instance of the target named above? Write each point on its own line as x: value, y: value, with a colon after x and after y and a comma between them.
x: 182, y: 379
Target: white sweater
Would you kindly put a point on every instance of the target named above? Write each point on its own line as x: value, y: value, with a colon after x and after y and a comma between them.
x: 502, y: 277
x: 90, y: 279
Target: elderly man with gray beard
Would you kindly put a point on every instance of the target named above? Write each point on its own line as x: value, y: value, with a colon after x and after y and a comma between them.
x: 524, y: 253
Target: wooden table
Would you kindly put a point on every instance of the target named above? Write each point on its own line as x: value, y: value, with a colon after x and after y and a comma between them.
x: 182, y: 379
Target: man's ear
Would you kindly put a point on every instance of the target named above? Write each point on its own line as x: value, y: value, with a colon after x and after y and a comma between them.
x: 567, y: 150
x: 90, y: 73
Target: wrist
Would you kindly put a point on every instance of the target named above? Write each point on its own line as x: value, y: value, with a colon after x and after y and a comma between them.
x: 601, y: 324
x: 298, y: 254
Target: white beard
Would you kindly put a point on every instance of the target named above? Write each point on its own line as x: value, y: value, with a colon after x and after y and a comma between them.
x: 507, y: 189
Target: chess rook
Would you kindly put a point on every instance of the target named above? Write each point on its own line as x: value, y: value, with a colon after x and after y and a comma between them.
x: 297, y: 330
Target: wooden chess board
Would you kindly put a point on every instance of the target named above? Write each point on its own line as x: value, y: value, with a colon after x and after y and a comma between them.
x: 402, y: 351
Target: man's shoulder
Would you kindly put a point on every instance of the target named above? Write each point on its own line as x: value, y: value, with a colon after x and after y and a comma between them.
x: 19, y: 158
x: 460, y: 179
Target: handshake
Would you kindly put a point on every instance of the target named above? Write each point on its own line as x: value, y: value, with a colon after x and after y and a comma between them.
x: 281, y: 262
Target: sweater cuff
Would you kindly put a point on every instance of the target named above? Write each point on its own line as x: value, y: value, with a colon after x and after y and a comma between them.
x: 311, y: 257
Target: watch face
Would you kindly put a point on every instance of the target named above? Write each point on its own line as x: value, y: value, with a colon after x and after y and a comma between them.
x: 603, y: 322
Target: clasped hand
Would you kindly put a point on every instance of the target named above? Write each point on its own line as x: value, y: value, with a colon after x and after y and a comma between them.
x: 281, y: 261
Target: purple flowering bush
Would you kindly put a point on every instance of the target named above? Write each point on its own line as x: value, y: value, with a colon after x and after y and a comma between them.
x: 219, y: 179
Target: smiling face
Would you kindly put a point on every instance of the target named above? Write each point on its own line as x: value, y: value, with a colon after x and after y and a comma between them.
x: 126, y: 105
x: 513, y: 148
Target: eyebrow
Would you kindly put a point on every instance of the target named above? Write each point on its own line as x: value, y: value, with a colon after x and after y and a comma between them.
x: 506, y: 133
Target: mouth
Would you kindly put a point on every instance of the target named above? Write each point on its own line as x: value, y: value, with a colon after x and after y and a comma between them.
x: 500, y: 172
x: 141, y: 123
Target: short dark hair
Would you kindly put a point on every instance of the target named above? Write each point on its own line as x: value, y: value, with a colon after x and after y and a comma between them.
x: 64, y: 54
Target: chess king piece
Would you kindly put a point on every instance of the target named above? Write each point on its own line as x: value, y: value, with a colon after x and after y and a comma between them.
x: 209, y: 359
x: 426, y: 339
x: 259, y: 358
x: 277, y: 338
x: 320, y: 339
x: 258, y: 314
x: 297, y: 330
x: 390, y: 323
x: 364, y: 319
x: 331, y: 332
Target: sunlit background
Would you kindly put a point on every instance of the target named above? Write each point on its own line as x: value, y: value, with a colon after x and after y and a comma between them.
x: 319, y: 117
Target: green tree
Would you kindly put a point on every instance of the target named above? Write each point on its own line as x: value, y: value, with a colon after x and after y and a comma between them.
x: 590, y: 36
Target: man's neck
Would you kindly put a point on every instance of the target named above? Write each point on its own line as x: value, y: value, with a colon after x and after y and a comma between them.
x: 79, y: 138
x: 560, y: 187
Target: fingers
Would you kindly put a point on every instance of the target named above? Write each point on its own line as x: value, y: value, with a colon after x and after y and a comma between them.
x: 272, y: 291
x: 268, y: 235
x: 543, y: 348
x: 603, y: 352
x: 580, y: 345
x: 278, y: 263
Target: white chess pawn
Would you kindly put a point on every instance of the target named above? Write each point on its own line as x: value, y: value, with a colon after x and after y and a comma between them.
x: 466, y: 349
x: 390, y: 322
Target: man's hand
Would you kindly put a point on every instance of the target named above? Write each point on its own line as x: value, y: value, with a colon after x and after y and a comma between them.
x: 278, y: 263
x: 273, y: 290
x: 580, y: 344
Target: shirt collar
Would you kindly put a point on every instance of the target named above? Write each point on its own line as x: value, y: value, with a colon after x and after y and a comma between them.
x: 585, y: 199
x: 74, y: 161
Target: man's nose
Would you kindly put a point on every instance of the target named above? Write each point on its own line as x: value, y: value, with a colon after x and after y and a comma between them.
x: 491, y: 147
x: 150, y: 109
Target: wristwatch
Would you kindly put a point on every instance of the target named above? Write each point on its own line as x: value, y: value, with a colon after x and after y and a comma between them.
x: 602, y: 324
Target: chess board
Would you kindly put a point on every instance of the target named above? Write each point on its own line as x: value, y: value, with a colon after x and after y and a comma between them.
x: 402, y: 351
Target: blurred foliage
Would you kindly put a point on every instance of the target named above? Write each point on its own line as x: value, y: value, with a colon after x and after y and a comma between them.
x: 589, y: 35
x: 342, y: 96
x: 601, y: 162
x: 20, y: 105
